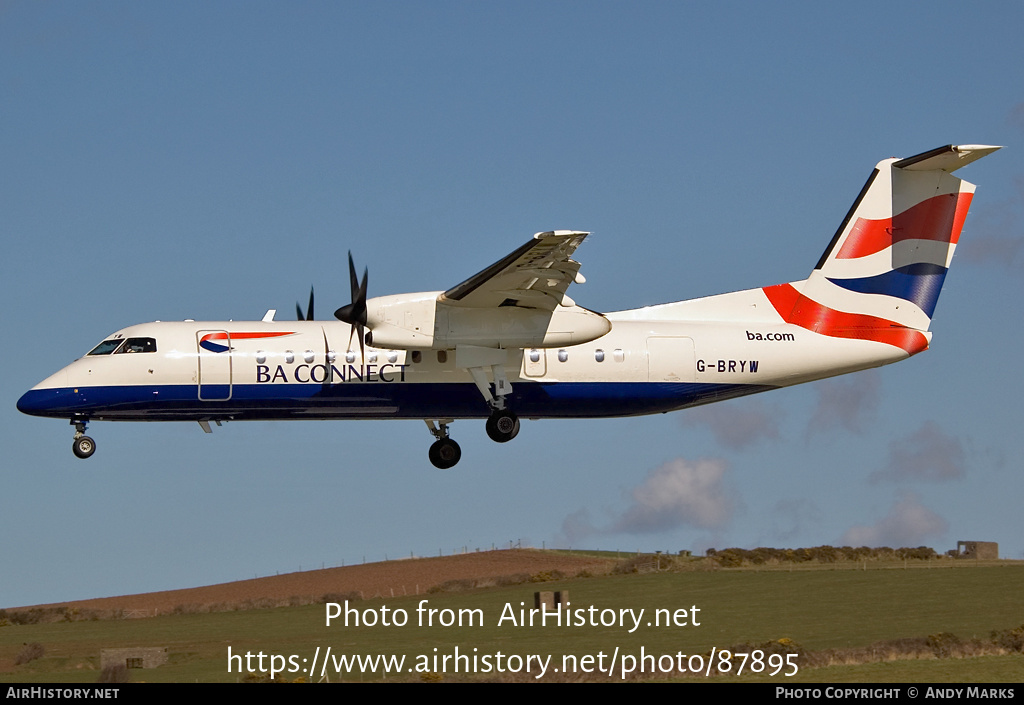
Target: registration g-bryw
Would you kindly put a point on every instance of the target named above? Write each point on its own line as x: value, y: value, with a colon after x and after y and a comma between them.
x: 509, y: 343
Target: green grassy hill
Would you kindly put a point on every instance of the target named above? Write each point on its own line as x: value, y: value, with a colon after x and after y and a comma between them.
x: 843, y: 608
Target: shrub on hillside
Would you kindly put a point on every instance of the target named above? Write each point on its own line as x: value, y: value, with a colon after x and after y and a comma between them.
x: 460, y: 585
x: 645, y: 563
x: 736, y: 557
x: 546, y: 576
x: 1010, y: 639
x: 29, y: 652
x: 513, y: 579
x: 340, y: 597
x: 944, y: 644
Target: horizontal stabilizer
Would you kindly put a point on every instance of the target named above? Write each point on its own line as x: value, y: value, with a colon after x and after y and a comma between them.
x: 947, y: 159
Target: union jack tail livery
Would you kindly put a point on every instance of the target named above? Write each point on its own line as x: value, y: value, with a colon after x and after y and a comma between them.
x: 880, y: 277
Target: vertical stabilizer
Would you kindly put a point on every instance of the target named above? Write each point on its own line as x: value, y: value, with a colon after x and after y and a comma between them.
x: 881, y: 275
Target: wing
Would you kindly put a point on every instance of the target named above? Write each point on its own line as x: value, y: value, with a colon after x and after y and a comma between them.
x: 534, y: 276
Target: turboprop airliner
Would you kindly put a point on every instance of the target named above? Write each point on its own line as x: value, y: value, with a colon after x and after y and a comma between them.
x: 509, y: 342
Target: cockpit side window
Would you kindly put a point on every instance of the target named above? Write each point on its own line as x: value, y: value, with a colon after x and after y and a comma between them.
x: 106, y: 347
x: 138, y: 345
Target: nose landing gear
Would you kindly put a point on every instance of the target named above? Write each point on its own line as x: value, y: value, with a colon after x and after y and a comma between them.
x: 82, y: 446
x: 444, y: 453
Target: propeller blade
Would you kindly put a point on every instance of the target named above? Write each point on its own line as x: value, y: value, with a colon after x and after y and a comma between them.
x: 352, y: 278
x: 328, y: 363
x: 354, y: 313
x: 309, y: 312
x: 351, y: 333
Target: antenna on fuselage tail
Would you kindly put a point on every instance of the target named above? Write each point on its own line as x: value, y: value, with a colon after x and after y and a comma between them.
x: 309, y: 312
x: 355, y: 313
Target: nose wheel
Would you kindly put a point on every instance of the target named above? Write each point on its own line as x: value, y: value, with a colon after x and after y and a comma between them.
x: 444, y: 453
x: 82, y: 446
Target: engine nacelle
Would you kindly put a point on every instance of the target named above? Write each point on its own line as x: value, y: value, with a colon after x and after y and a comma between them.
x: 421, y: 321
x: 402, y: 321
x: 515, y: 327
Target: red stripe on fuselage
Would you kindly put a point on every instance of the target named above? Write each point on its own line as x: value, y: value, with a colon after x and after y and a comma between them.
x: 801, y: 311
x: 244, y: 336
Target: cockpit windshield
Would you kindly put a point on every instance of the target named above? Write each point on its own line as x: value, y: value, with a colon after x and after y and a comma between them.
x: 106, y: 347
x: 130, y: 345
x: 136, y: 345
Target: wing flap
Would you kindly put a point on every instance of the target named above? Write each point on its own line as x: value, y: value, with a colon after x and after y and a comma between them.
x: 535, y: 275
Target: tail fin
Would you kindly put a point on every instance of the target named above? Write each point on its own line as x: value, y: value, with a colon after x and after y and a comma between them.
x: 880, y: 277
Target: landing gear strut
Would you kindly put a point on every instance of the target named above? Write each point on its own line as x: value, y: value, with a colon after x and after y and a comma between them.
x: 82, y: 446
x: 502, y: 423
x: 445, y: 452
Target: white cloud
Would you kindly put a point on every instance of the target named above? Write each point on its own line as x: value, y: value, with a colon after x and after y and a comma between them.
x: 848, y: 403
x: 926, y: 454
x: 738, y: 424
x: 576, y: 527
x: 679, y: 493
x: 908, y: 523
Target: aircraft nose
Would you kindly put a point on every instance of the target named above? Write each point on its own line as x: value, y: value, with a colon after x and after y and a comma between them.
x: 35, y: 402
x: 48, y: 397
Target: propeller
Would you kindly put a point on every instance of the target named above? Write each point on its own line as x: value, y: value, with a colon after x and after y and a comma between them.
x: 355, y: 313
x: 309, y: 312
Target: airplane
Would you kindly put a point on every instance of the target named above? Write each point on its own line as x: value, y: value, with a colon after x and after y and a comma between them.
x: 509, y: 342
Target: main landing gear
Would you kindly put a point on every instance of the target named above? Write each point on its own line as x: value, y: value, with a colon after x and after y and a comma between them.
x: 502, y: 423
x: 82, y: 446
x: 444, y: 453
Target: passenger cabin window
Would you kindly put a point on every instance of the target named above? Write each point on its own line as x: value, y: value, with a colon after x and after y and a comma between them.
x: 563, y: 355
x: 599, y: 355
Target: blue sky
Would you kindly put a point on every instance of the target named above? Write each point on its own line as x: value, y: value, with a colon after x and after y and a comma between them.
x: 213, y: 160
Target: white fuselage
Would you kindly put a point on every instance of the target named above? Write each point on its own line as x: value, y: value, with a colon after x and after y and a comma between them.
x: 652, y: 360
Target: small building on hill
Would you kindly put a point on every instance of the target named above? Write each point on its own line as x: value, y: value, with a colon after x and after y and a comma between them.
x: 139, y: 657
x: 978, y: 550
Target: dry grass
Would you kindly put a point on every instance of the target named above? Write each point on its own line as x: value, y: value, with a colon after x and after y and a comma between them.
x: 372, y: 580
